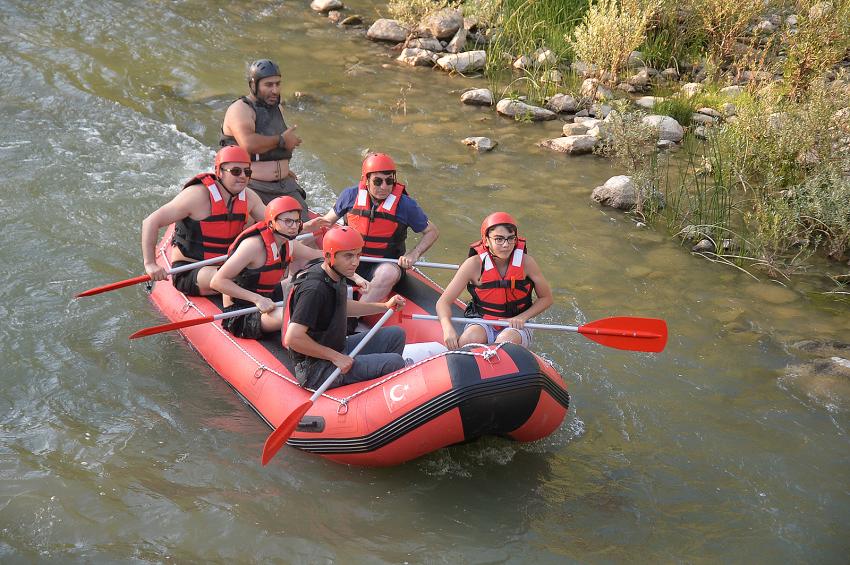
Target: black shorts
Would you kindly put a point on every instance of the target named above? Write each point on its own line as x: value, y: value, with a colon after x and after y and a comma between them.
x: 187, y: 281
x: 249, y: 326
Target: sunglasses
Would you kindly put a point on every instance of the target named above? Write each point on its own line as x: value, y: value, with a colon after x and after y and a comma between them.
x: 499, y: 240
x: 289, y: 222
x: 379, y: 181
x: 237, y: 171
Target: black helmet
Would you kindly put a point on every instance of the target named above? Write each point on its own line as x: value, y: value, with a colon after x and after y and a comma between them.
x: 259, y: 70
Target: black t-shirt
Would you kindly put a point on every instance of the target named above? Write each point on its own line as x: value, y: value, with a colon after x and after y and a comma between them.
x: 314, y: 304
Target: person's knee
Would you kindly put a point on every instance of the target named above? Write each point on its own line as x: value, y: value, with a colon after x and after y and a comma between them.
x: 387, y: 274
x: 395, y: 338
x: 510, y: 335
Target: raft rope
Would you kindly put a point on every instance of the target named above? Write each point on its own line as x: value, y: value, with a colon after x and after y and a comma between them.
x: 489, y: 352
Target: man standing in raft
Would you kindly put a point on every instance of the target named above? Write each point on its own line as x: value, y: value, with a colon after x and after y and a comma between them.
x: 380, y: 209
x: 500, y: 276
x: 316, y: 313
x: 255, y: 123
x: 208, y: 214
x: 258, y: 261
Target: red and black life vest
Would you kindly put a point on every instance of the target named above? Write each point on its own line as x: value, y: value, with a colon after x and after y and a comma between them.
x: 378, y: 224
x: 266, y: 279
x: 497, y: 296
x: 212, y: 236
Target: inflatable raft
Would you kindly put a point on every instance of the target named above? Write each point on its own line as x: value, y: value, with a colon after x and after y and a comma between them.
x: 441, y: 398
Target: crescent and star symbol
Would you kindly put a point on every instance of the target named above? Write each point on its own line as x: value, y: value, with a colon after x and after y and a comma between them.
x: 393, y: 395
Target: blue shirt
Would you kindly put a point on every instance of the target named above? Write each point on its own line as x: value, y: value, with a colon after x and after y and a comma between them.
x: 408, y: 212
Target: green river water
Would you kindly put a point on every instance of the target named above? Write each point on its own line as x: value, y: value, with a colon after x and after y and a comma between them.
x: 136, y: 452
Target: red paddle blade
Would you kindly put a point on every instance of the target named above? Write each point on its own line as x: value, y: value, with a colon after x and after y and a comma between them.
x: 631, y: 334
x: 114, y: 286
x: 283, y: 432
x: 172, y: 326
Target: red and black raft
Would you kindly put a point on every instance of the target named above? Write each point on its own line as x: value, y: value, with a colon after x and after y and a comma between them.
x: 443, y: 399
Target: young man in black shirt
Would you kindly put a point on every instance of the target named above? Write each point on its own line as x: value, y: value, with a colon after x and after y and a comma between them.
x: 316, y: 313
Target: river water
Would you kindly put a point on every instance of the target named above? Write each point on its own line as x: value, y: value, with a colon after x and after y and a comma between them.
x: 112, y: 451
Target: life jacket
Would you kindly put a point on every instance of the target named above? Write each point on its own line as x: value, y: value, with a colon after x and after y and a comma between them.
x: 333, y: 336
x: 210, y: 237
x: 383, y: 234
x: 268, y: 120
x: 497, y: 296
x: 263, y: 280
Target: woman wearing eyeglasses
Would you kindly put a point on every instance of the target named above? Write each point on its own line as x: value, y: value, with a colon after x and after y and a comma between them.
x: 500, y: 276
x: 208, y: 214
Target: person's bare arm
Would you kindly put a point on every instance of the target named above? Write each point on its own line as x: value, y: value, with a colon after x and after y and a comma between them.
x: 429, y: 236
x: 468, y: 272
x: 180, y: 207
x: 240, y: 120
x: 250, y: 253
x: 357, y: 308
x: 256, y: 208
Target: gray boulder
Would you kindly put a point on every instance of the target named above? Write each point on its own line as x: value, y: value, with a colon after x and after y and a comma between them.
x: 571, y: 145
x: 477, y: 97
x: 444, y: 24
x: 562, y: 103
x: 517, y: 109
x: 387, y: 30
x: 667, y: 127
x: 417, y: 57
x: 480, y: 143
x: 467, y: 61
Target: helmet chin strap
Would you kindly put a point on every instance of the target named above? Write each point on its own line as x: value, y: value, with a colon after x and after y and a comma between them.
x: 283, y: 235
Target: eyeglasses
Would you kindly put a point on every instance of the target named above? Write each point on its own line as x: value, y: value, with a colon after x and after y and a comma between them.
x: 379, y: 181
x: 291, y: 223
x: 499, y: 240
x: 237, y: 171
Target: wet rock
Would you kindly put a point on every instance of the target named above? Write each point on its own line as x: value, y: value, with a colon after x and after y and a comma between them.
x: 334, y: 16
x: 617, y: 192
x: 692, y: 89
x: 544, y: 56
x: 444, y: 24
x: 352, y: 20
x: 764, y: 27
x: 670, y: 74
x: 572, y: 145
x: 648, y: 102
x: 477, y: 97
x: 703, y: 119
x: 823, y: 348
x: 480, y: 143
x: 417, y: 57
x: 463, y: 62
x: 561, y: 103
x: 387, y: 30
x: 710, y: 112
x: 667, y: 127
x: 640, y: 80
x: 635, y: 60
x: 732, y: 91
x: 324, y: 6
x: 521, y: 110
x: 428, y: 43
x: 704, y: 246
x: 825, y: 381
x: 458, y: 42
x: 591, y: 88
x: 586, y: 121
x: 575, y: 129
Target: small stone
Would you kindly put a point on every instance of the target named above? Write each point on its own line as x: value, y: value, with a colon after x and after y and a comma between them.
x: 417, y: 57
x: 334, y: 16
x: 428, y: 43
x: 324, y: 6
x: 732, y: 91
x: 561, y: 103
x: 387, y: 30
x: 521, y: 110
x: 626, y: 87
x: 670, y: 74
x: 467, y: 61
x: 703, y: 119
x: 729, y: 109
x: 477, y: 97
x: 480, y: 143
x: 704, y: 246
x: 692, y: 89
x: 667, y: 127
x: 648, y: 102
x: 352, y: 20
x: 665, y: 144
x: 575, y: 129
x: 572, y: 145
x: 710, y: 112
x: 522, y: 62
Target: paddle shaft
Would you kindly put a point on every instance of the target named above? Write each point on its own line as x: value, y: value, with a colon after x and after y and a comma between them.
x: 355, y: 351
x: 417, y: 264
x: 172, y: 271
x: 536, y: 326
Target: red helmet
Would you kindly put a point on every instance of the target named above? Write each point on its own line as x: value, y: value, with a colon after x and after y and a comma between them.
x: 341, y: 238
x: 280, y: 205
x: 496, y: 219
x: 230, y: 154
x: 377, y: 163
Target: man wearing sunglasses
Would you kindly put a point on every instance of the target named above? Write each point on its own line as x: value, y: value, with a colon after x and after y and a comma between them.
x: 255, y: 123
x: 208, y: 214
x: 382, y: 211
